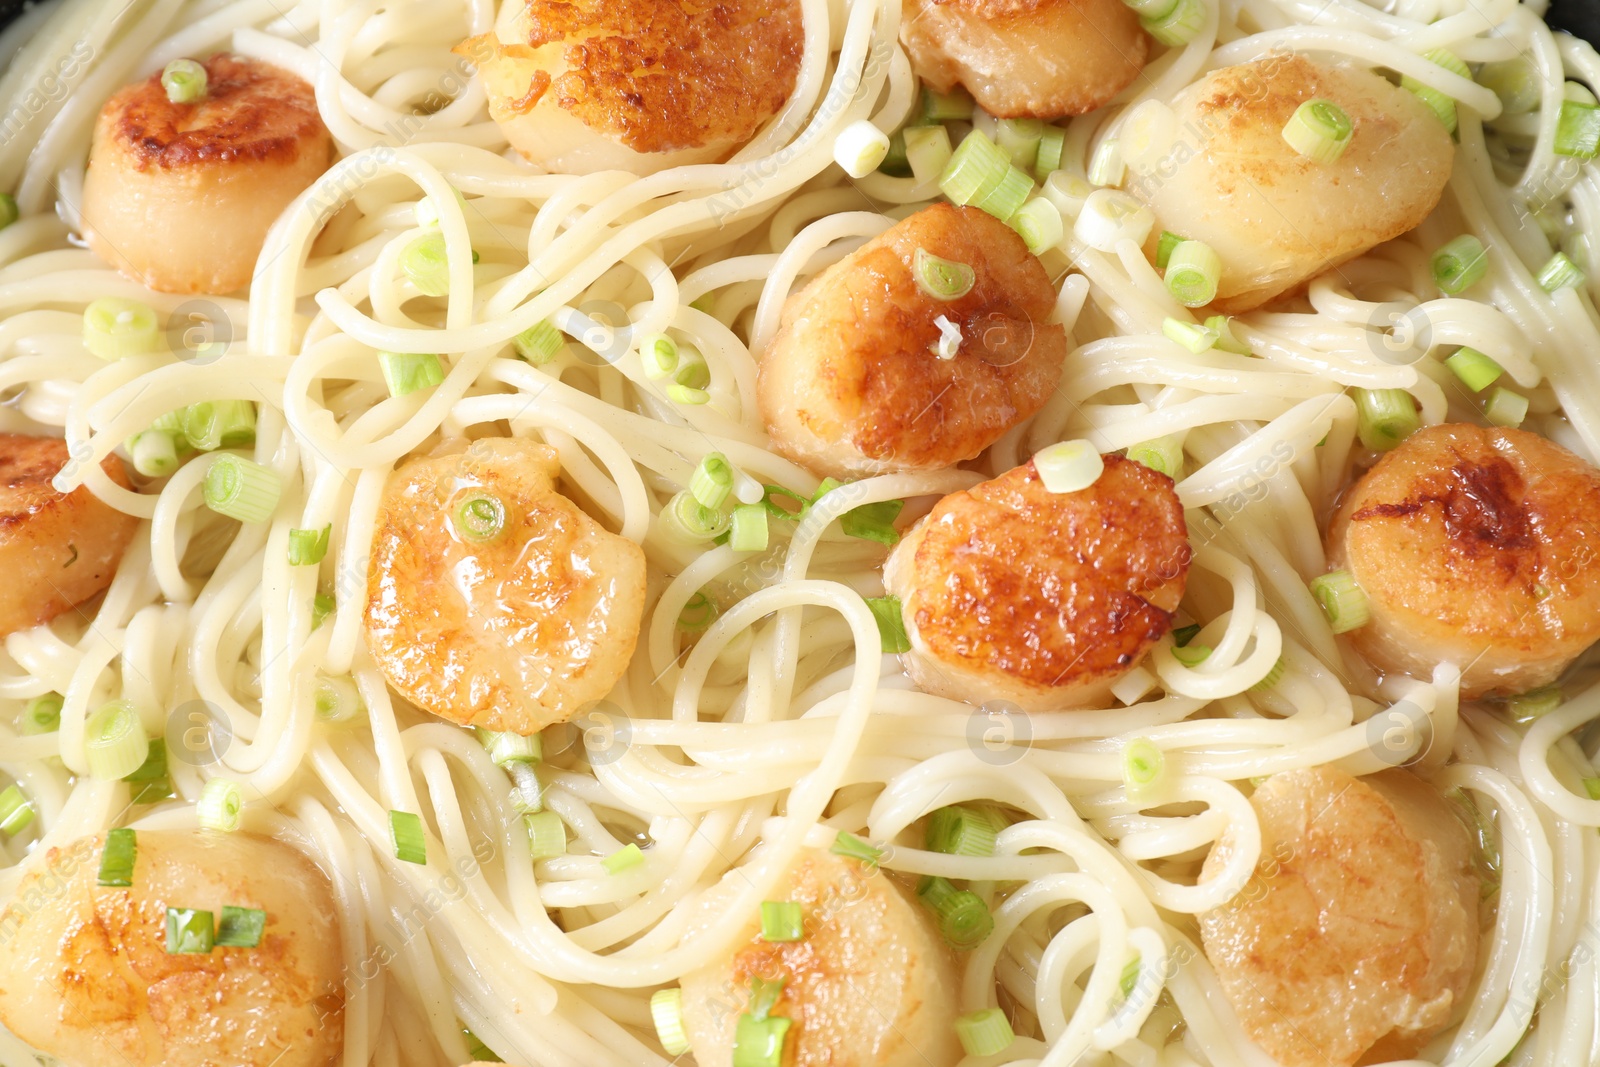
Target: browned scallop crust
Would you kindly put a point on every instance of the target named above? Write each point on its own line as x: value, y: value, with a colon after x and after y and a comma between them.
x: 1043, y: 59
x: 1479, y: 546
x: 56, y: 549
x: 660, y: 75
x: 252, y: 112
x: 1052, y: 589
x: 854, y: 361
x: 1355, y: 938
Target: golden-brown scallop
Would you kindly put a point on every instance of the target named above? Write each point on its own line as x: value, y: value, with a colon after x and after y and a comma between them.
x: 1356, y: 936
x: 56, y: 549
x: 871, y: 983
x: 180, y: 196
x: 86, y: 977
x: 1042, y: 59
x: 852, y: 384
x: 1278, y: 219
x: 1475, y: 547
x: 580, y: 86
x: 492, y: 600
x: 1012, y: 592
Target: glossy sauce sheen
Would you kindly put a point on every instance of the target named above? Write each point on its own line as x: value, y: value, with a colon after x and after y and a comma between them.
x: 56, y: 550
x: 516, y: 633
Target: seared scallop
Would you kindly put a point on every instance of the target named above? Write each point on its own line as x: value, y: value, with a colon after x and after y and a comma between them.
x: 492, y: 600
x: 1356, y: 936
x: 1276, y: 218
x: 56, y: 549
x: 869, y: 984
x: 1475, y: 547
x: 87, y: 976
x: 580, y: 86
x: 1042, y: 59
x: 1013, y: 592
x: 871, y: 372
x: 180, y: 196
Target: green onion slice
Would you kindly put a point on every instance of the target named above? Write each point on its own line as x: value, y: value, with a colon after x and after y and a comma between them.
x: 426, y: 263
x: 185, y: 81
x: 213, y: 424
x: 115, y: 328
x: 942, y: 279
x: 666, y: 1011
x: 15, y: 811
x: 1196, y: 339
x: 190, y: 931
x: 1163, y: 454
x: 1143, y: 765
x: 975, y: 170
x: 749, y: 532
x: 154, y: 453
x: 985, y: 1033
x: 405, y: 831
x: 888, y: 613
x: 960, y: 831
x: 1342, y: 600
x: 759, y: 1042
x: 1320, y: 130
x: 221, y: 805
x: 1385, y: 417
x: 1194, y: 271
x: 1459, y: 264
x: 1164, y: 246
x: 625, y: 858
x: 408, y: 372
x: 539, y: 343
x: 336, y: 699
x: 506, y: 748
x: 1068, y: 466
x: 116, y: 742
x: 1578, y: 130
x: 1179, y: 26
x: 852, y: 847
x: 547, y: 835
x: 479, y: 517
x: 782, y: 920
x: 242, y: 489
x: 240, y: 927
x: 712, y: 480
x: 964, y: 918
x: 1506, y: 408
x: 308, y: 547
x: 1560, y: 273
x: 43, y: 714
x: 117, y: 858
x: 1476, y: 370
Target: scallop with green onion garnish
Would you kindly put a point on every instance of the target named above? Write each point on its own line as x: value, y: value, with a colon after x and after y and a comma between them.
x: 1045, y: 585
x: 1288, y: 167
x: 187, y: 174
x: 174, y: 949
x: 840, y: 969
x: 56, y: 549
x: 492, y: 600
x: 1042, y: 59
x: 1356, y: 936
x: 915, y: 352
x: 1474, y: 546
x: 636, y: 85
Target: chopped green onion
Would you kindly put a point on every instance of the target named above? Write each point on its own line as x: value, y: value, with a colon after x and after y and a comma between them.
x: 185, y: 81
x: 748, y: 532
x: 984, y: 1033
x: 506, y: 747
x: 8, y: 210
x: 1342, y: 600
x: 1143, y: 765
x: 852, y: 847
x: 336, y: 699
x: 1191, y: 655
x: 860, y: 148
x: 1320, y: 130
x: 774, y: 493
x: 964, y: 918
x: 1534, y: 704
x: 242, y: 489
x: 1130, y: 977
x: 712, y: 480
x: 928, y: 152
x: 1164, y: 454
x: 895, y: 164
x: 1193, y: 273
x: 944, y: 107
x: 480, y: 517
x: 547, y: 835
x: 405, y: 832
x: 1459, y: 264
x: 426, y: 263
x: 887, y: 612
x: 873, y: 522
x: 1578, y: 130
x: 1110, y: 217
x: 1440, y: 103
x: 975, y: 169
x: 42, y: 715
x: 1196, y: 339
x: 1514, y: 82
x: 699, y: 612
x: 1273, y: 675
x: 692, y: 520
x: 658, y: 354
x: 684, y: 394
x: 213, y: 424
x: 1052, y: 143
x: 406, y: 372
x: 477, y: 1051
x: 1019, y: 139
x: 623, y: 859
x: 539, y: 343
x: 1560, y: 273
x: 1068, y: 466
x: 1476, y: 370
x: 1068, y: 193
x: 15, y: 811
x: 150, y: 776
x: 666, y: 1011
x: 117, y: 858
x: 114, y: 328
x: 1039, y: 223
x: 220, y: 805
x: 1007, y: 197
x: 782, y: 920
x: 154, y: 453
x: 1385, y: 417
x: 1182, y: 635
x: 1591, y: 786
x: 1222, y: 325
x: 942, y: 279
x: 1506, y: 408
x: 322, y: 605
x: 240, y: 927
x: 1164, y: 246
x: 959, y: 831
x: 116, y: 742
x: 308, y: 547
x: 190, y: 931
x: 759, y: 1042
x: 1179, y: 26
